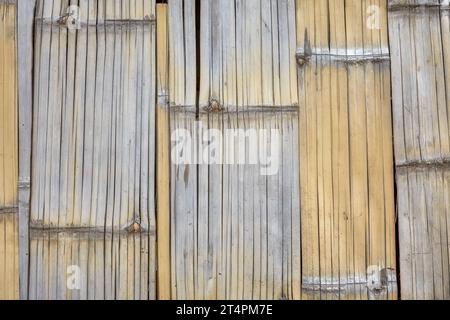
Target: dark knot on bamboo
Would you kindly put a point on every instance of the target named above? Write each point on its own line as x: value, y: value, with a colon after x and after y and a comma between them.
x: 135, y: 227
x: 303, y: 56
x: 213, y: 107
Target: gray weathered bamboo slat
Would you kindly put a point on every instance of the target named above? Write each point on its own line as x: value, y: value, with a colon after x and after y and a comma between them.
x: 25, y: 49
x: 93, y: 173
x: 420, y: 47
x: 9, y: 249
x: 348, y: 217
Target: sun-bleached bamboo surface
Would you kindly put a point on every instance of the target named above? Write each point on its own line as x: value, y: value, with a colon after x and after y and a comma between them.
x: 235, y: 232
x: 346, y: 152
x: 9, y: 270
x: 94, y: 150
x: 420, y: 49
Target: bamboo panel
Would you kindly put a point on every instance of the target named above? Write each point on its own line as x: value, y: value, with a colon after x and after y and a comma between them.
x: 420, y: 33
x: 235, y: 231
x: 94, y: 127
x: 348, y: 218
x: 69, y: 265
x: 9, y: 257
x: 248, y: 54
x: 8, y: 107
x: 9, y: 270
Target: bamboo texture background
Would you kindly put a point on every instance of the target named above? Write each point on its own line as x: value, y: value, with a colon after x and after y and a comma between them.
x: 94, y: 109
x: 9, y: 262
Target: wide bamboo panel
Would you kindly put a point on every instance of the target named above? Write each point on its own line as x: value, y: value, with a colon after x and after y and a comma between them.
x: 420, y: 48
x: 8, y: 107
x: 9, y: 270
x: 94, y: 138
x: 346, y: 151
x: 9, y: 257
x: 235, y: 232
x: 74, y: 265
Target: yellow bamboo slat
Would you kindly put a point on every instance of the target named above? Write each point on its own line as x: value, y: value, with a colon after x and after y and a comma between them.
x: 8, y: 107
x: 420, y: 47
x: 348, y: 215
x: 9, y: 262
x: 163, y: 156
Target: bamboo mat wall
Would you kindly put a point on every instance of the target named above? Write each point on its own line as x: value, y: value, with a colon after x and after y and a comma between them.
x: 420, y: 45
x: 114, y: 216
x: 9, y: 271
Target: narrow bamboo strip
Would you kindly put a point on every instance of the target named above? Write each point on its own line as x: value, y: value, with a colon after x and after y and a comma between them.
x: 163, y: 156
x: 25, y: 50
x: 419, y: 33
x: 348, y: 235
x: 9, y: 247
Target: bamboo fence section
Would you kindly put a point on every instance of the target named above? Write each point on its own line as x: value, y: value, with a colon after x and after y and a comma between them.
x: 348, y: 217
x: 93, y: 186
x: 420, y: 46
x: 9, y: 267
x: 235, y: 232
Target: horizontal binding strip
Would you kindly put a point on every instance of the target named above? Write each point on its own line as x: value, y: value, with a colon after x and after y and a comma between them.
x: 344, y: 289
x: 8, y: 210
x: 40, y: 230
x: 230, y: 109
x: 396, y: 7
x: 24, y: 183
x: 7, y: 1
x: 61, y: 22
x: 424, y: 164
x: 82, y: 233
x: 240, y: 109
x: 303, y: 57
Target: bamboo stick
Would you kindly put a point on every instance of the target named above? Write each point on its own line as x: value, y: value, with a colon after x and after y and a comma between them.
x: 163, y: 157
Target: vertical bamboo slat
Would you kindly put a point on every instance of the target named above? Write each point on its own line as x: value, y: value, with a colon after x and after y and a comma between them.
x: 25, y: 49
x: 420, y: 46
x: 183, y: 183
x: 9, y: 267
x: 348, y: 226
x: 94, y: 133
x: 163, y: 156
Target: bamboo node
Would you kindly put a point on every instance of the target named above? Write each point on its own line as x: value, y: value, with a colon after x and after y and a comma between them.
x: 135, y: 227
x: 304, y: 54
x: 213, y: 107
